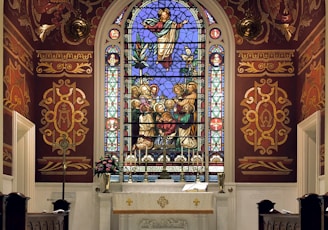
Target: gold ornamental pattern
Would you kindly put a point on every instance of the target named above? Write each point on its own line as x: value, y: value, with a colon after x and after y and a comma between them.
x: 162, y: 201
x: 313, y: 91
x: 312, y: 47
x: 64, y: 115
x: 260, y: 63
x: 62, y: 63
x: 17, y: 46
x: 265, y: 165
x: 266, y: 116
x: 17, y: 93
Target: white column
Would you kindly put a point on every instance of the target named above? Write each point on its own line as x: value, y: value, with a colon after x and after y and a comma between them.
x: 105, y: 211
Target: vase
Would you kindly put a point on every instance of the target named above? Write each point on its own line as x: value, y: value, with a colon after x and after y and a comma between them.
x: 221, y: 177
x: 106, y: 178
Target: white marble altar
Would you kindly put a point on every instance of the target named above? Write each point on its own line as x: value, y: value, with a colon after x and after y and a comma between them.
x: 159, y: 206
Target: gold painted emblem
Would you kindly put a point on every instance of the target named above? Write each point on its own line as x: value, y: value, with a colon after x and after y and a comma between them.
x: 162, y: 201
x: 196, y: 202
x: 129, y: 201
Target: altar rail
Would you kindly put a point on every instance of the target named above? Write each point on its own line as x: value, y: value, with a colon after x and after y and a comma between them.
x: 14, y: 216
x: 312, y: 214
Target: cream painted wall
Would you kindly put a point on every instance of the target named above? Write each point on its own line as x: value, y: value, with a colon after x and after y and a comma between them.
x: 239, y: 213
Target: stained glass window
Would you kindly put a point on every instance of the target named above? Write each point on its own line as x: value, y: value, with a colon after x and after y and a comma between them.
x: 173, y: 103
x: 112, y: 98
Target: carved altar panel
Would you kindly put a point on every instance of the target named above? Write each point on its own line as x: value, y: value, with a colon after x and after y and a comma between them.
x: 163, y: 222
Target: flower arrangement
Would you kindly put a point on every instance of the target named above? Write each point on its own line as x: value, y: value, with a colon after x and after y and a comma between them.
x: 107, y: 164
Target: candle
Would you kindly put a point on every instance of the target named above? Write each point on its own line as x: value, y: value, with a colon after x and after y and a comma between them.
x: 128, y: 159
x: 197, y: 158
x: 181, y: 150
x: 188, y: 156
x: 139, y: 157
x: 193, y: 156
x: 146, y: 151
x: 203, y: 159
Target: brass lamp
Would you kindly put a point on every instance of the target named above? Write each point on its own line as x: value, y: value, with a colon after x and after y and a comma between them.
x: 78, y: 27
x: 249, y: 27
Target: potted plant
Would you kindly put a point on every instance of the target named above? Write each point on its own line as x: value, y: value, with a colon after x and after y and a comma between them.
x: 105, y: 166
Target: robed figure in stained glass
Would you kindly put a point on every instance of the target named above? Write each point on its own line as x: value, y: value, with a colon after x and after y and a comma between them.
x: 167, y: 33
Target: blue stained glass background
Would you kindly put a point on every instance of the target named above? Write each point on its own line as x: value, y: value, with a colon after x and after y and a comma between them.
x: 189, y: 35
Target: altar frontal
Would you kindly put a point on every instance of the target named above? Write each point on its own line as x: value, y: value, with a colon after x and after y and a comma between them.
x: 166, y: 203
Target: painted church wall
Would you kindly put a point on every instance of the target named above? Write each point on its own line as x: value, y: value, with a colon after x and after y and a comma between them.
x: 53, y: 69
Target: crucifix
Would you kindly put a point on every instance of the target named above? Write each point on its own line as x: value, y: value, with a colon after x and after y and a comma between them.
x: 164, y: 174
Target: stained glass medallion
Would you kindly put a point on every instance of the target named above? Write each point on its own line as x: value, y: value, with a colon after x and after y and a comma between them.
x: 114, y: 34
x: 165, y: 94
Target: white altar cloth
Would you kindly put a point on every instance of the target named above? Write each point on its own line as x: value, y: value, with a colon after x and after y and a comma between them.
x: 165, y: 202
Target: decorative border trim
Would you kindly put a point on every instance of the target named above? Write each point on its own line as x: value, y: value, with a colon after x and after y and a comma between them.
x: 64, y: 63
x: 269, y: 63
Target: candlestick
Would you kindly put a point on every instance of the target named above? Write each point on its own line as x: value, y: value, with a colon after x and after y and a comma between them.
x: 203, y: 159
x: 197, y: 159
x: 146, y: 173
x: 139, y: 153
x: 188, y: 156
x: 193, y: 156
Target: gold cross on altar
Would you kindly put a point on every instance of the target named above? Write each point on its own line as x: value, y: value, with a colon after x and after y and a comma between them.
x: 129, y: 201
x: 196, y: 202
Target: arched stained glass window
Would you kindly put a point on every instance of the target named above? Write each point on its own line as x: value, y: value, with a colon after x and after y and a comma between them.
x: 171, y: 73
